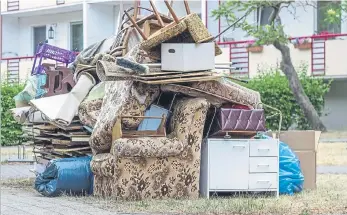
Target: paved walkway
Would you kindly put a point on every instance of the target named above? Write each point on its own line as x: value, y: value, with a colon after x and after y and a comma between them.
x: 22, y: 202
x: 333, y: 140
x: 9, y: 171
x: 332, y: 169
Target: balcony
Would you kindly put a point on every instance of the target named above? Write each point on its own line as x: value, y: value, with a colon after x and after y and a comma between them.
x: 18, y: 69
x: 323, y: 56
x: 12, y: 5
x: 15, y: 6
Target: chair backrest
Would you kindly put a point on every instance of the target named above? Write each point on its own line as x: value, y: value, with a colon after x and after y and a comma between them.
x: 188, y: 119
x: 55, y: 53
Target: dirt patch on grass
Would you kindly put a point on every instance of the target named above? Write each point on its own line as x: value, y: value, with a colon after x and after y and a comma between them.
x: 330, y: 197
x: 23, y: 183
x: 332, y: 154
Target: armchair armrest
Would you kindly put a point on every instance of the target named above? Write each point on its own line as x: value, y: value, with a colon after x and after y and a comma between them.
x: 147, y: 147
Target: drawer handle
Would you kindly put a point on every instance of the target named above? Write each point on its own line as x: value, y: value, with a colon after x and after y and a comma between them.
x: 239, y: 146
x: 267, y: 165
x: 263, y: 149
x: 263, y: 181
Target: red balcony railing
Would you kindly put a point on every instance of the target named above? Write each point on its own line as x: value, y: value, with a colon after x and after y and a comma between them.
x: 239, y: 54
x: 13, y: 66
x: 12, y: 5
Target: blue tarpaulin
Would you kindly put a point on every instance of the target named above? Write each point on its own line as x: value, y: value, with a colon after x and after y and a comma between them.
x: 66, y: 175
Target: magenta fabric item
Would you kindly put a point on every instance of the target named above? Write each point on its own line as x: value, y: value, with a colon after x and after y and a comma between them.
x: 51, y: 52
x: 241, y: 120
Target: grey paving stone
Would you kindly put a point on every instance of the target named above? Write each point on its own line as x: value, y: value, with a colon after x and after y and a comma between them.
x: 332, y: 169
x: 17, y: 202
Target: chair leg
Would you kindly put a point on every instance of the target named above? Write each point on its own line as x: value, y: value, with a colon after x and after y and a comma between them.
x: 33, y: 68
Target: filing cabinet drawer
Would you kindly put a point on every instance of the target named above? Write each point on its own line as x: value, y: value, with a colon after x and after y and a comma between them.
x: 263, y: 164
x: 264, y: 148
x: 263, y: 181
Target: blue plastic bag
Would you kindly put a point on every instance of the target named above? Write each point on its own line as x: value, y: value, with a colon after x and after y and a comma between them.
x: 70, y: 175
x: 291, y: 179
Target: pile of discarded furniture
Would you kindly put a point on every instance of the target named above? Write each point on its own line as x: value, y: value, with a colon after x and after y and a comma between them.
x: 50, y: 139
x: 151, y: 101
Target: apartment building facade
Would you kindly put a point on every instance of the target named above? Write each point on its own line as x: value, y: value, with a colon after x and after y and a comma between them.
x: 76, y: 24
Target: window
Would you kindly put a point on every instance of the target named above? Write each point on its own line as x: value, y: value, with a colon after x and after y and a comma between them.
x: 263, y: 15
x: 322, y: 8
x: 39, y: 36
x: 76, y: 43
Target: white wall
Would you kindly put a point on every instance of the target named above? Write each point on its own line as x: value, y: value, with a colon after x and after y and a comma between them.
x: 62, y: 30
x: 99, y: 23
x: 271, y: 58
x: 10, y: 37
x: 118, y: 13
x: 335, y: 106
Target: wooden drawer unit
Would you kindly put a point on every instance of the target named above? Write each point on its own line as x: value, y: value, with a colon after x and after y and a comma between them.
x: 229, y: 165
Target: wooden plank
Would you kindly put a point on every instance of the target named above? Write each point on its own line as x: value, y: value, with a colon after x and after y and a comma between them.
x: 163, y: 73
x: 72, y: 144
x: 183, y: 80
x: 172, y: 76
x: 60, y: 142
x: 71, y: 127
x: 45, y: 127
x: 73, y: 149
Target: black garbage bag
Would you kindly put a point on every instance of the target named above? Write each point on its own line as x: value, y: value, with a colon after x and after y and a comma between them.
x: 66, y: 175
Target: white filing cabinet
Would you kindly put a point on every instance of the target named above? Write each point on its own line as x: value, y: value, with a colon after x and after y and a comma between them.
x: 235, y: 165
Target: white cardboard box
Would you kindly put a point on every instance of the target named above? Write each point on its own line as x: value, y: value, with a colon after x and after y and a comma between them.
x: 183, y: 57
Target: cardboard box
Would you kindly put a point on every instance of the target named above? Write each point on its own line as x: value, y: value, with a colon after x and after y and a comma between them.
x: 304, y: 144
x: 184, y: 57
x: 308, y: 167
x: 301, y: 140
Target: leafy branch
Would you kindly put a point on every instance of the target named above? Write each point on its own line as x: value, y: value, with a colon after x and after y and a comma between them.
x: 273, y: 34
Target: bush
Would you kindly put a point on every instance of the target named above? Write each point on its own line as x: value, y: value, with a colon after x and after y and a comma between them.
x: 275, y: 91
x: 11, y: 131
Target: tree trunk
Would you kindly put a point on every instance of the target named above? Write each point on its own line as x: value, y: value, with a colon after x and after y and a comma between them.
x: 296, y: 87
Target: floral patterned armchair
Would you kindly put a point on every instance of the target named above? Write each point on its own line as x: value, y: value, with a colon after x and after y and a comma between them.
x: 160, y: 167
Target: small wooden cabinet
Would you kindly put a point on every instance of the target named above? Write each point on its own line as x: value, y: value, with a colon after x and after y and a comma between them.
x: 235, y: 165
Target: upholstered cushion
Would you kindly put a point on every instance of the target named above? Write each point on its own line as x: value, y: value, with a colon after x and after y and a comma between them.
x: 147, y: 147
x: 142, y: 96
x: 103, y: 165
x: 230, y: 91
